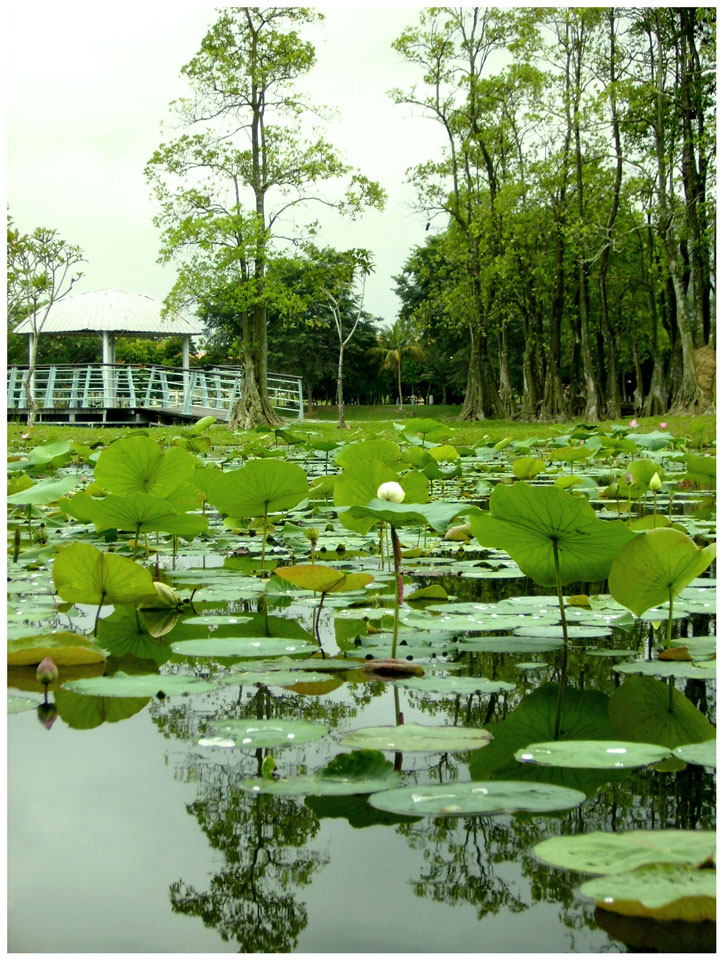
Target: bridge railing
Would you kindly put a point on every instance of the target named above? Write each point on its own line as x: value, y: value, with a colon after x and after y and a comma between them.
x: 195, y: 391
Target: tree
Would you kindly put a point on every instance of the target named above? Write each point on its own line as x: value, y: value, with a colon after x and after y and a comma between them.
x: 224, y: 189
x: 40, y: 272
x: 394, y: 344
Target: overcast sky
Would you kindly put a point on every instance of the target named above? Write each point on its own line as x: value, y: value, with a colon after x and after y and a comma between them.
x: 88, y: 87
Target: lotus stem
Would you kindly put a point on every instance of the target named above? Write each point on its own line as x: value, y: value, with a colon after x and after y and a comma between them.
x: 97, y: 614
x: 263, y: 537
x: 669, y: 632
x: 397, y: 587
x: 560, y: 598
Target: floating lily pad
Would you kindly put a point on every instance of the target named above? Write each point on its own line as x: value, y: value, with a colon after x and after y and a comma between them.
x: 264, y: 733
x: 273, y: 678
x: 64, y: 649
x: 549, y: 630
x: 666, y: 668
x: 609, y: 853
x: 242, y: 647
x: 460, y: 685
x: 143, y: 685
x: 510, y: 644
x: 663, y: 891
x: 592, y: 754
x: 416, y: 737
x: 466, y: 799
x: 703, y: 754
x: 363, y: 771
x: 21, y: 704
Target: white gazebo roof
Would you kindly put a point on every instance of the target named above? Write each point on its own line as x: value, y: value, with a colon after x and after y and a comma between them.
x: 113, y: 311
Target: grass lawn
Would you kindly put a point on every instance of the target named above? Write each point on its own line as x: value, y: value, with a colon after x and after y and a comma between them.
x: 372, y: 421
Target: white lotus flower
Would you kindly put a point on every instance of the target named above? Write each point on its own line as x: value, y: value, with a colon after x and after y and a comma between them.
x: 391, y: 491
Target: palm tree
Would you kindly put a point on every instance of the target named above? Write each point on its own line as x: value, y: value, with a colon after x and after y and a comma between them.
x: 392, y: 345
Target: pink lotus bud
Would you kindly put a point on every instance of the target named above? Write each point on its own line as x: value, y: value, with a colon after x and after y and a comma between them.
x: 628, y: 477
x: 47, y: 672
x: 47, y: 714
x: 633, y: 423
x: 662, y: 424
x: 25, y: 436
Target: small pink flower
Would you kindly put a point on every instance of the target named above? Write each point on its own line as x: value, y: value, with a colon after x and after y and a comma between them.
x: 47, y: 672
x: 633, y: 423
x: 662, y: 424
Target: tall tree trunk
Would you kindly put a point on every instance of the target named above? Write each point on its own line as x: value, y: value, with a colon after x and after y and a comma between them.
x: 30, y: 400
x: 506, y: 392
x: 253, y: 406
x: 554, y: 405
x: 473, y: 407
x: 340, y: 386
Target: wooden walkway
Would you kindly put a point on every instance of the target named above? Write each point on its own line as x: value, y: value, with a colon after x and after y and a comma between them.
x: 128, y: 393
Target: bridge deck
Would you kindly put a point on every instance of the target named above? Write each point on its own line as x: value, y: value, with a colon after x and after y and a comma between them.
x: 102, y: 392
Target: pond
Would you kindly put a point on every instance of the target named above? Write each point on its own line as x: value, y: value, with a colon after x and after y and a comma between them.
x: 237, y: 771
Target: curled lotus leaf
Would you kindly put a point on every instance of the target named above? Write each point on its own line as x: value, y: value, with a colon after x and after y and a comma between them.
x: 322, y: 579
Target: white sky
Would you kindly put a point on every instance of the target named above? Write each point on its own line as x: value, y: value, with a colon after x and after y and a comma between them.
x: 90, y: 83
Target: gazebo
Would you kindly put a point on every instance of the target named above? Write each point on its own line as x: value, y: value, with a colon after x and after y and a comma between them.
x: 113, y: 313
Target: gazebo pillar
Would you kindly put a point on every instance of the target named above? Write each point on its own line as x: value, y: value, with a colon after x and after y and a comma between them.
x: 186, y: 341
x: 108, y: 370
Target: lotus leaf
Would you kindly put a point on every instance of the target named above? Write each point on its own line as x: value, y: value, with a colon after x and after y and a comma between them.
x: 418, y: 737
x: 529, y: 522
x: 137, y: 464
x: 592, y: 754
x: 85, y: 713
x: 242, y: 647
x: 82, y: 574
x: 387, y: 451
x: 703, y: 754
x: 650, y: 711
x: 437, y: 515
x: 360, y: 772
x: 461, y: 685
x: 21, y: 704
x: 65, y: 649
x: 606, y: 853
x: 143, y: 685
x: 667, y: 668
x: 465, y: 799
x: 258, y: 488
x: 43, y: 492
x: 655, y: 565
x: 265, y: 733
x: 321, y: 579
x: 663, y: 891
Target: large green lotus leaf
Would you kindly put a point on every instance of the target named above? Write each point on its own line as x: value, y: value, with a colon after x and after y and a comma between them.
x: 417, y: 457
x: 469, y: 623
x: 317, y: 577
x: 525, y: 468
x: 46, y: 491
x: 387, y: 451
x: 437, y: 515
x: 570, y: 454
x: 56, y: 453
x: 359, y: 485
x: 701, y: 469
x: 583, y: 716
x: 415, y: 486
x: 592, y: 754
x: 137, y: 464
x: 606, y: 853
x: 263, y: 733
x: 654, y: 564
x: 655, y: 440
x: 667, y: 668
x: 423, y: 427
x: 135, y: 511
x: 272, y: 678
x: 509, y: 644
x: 527, y: 521
x: 418, y: 737
x: 461, y: 685
x: 259, y: 487
x: 64, y: 648
x: 467, y: 799
x: 85, y: 713
x: 703, y: 754
x: 663, y: 891
x: 242, y: 647
x: 82, y: 574
x: 362, y: 771
x: 444, y: 453
x: 142, y: 685
x: 650, y: 711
